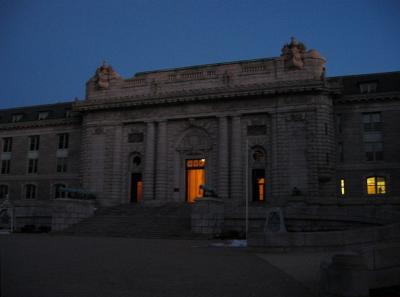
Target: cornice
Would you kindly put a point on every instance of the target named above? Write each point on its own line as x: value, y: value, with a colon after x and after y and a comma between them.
x: 204, y: 94
x: 370, y: 97
x: 40, y: 123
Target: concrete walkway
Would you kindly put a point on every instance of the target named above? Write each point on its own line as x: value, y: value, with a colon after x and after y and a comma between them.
x: 62, y: 266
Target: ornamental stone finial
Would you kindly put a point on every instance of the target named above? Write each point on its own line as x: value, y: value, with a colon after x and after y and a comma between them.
x: 292, y: 53
x: 104, y: 75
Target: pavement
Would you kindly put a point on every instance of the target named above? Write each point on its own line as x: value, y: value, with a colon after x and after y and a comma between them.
x: 42, y: 265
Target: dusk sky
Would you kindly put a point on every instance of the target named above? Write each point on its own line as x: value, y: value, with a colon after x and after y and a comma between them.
x: 49, y: 49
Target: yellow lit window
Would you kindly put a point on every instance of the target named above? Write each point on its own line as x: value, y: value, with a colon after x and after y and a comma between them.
x: 376, y: 185
x: 342, y: 190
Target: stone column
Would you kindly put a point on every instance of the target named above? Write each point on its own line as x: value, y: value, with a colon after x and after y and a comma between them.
x: 162, y: 170
x: 148, y: 172
x: 223, y: 158
x: 236, y: 160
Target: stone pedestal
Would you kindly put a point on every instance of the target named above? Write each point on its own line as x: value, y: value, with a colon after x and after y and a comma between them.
x: 345, y: 275
x: 207, y: 216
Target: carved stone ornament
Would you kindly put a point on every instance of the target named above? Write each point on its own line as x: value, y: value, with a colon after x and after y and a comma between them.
x: 104, y: 75
x: 293, y: 54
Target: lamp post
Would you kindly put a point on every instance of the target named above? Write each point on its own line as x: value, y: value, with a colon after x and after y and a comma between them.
x: 247, y: 189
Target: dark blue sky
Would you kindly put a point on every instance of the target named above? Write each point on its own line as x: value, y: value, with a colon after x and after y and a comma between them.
x: 49, y: 49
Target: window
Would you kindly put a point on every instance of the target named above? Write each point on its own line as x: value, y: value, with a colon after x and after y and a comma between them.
x: 7, y: 144
x: 34, y: 143
x: 62, y: 164
x: 342, y: 187
x: 43, y: 115
x: 373, y: 151
x: 63, y: 140
x: 59, y: 191
x: 135, y: 137
x: 340, y: 152
x: 339, y: 123
x: 16, y: 117
x: 32, y: 165
x: 373, y: 140
x: 3, y: 191
x: 255, y: 130
x: 5, y: 166
x: 30, y: 191
x: 369, y: 87
x: 372, y: 121
x: 376, y: 185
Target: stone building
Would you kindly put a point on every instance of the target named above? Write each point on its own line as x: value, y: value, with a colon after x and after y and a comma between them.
x: 275, y: 130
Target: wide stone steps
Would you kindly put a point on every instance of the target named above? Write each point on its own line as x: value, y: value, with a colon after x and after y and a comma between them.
x: 166, y: 221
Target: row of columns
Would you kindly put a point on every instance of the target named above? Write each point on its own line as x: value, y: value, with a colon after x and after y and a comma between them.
x: 230, y: 166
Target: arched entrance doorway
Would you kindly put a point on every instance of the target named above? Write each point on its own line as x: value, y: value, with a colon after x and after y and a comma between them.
x: 193, y: 151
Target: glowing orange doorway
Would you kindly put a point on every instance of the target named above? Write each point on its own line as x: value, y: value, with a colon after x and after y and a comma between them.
x: 195, y: 177
x: 136, y: 187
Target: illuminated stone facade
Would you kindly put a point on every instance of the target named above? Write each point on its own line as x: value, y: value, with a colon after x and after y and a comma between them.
x: 276, y: 127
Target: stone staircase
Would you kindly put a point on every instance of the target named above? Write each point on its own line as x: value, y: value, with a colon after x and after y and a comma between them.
x: 170, y: 220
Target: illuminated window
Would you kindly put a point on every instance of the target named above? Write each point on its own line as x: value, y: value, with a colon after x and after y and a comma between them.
x: 376, y: 185
x: 261, y: 187
x: 342, y: 187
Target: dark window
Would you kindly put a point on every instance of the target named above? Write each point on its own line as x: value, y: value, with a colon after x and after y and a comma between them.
x: 7, y: 144
x: 17, y: 117
x: 372, y: 121
x: 369, y: 87
x: 339, y: 123
x: 59, y: 191
x: 63, y: 140
x: 32, y: 165
x: 326, y: 128
x: 5, y: 166
x: 34, y: 143
x: 62, y: 164
x: 135, y: 137
x: 43, y: 115
x: 373, y: 151
x: 3, y: 191
x: 30, y: 191
x: 340, y: 152
x: 137, y: 161
x: 255, y: 130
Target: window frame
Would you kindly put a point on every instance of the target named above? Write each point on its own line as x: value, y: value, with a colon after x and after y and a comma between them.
x: 28, y: 190
x: 375, y: 184
x: 34, y: 143
x: 32, y: 165
x: 62, y: 164
x: 7, y: 144
x: 5, y: 166
x: 63, y: 141
x: 6, y: 192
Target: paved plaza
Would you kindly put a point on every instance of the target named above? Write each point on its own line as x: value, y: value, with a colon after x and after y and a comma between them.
x: 66, y: 266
